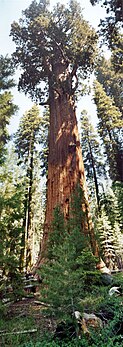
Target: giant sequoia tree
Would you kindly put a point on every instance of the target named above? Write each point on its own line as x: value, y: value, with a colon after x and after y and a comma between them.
x: 55, y: 50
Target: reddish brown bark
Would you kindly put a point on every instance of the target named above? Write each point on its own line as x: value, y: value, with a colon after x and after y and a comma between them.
x: 65, y: 164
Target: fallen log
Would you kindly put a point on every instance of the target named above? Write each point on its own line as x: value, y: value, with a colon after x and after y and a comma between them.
x: 18, y: 332
x: 41, y: 303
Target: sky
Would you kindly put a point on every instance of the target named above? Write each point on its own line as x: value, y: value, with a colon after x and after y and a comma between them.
x: 11, y: 10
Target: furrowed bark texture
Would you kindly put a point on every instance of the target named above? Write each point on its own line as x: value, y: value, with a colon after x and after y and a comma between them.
x: 65, y: 165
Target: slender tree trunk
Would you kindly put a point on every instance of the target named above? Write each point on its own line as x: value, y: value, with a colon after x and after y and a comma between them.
x: 22, y: 260
x: 29, y: 248
x: 27, y: 237
x: 95, y: 177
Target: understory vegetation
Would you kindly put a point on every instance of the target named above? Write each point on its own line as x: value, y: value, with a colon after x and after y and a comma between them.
x: 109, y: 308
x: 69, y: 283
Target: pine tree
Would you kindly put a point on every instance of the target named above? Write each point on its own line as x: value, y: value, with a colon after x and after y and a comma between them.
x: 107, y: 240
x: 7, y: 107
x: 118, y: 191
x: 70, y: 268
x: 6, y: 73
x: 37, y: 210
x: 110, y: 203
x: 110, y: 225
x: 110, y: 80
x: 44, y: 142
x: 11, y: 216
x: 26, y: 139
x: 109, y: 128
x: 117, y: 54
x: 92, y: 156
x: 118, y: 245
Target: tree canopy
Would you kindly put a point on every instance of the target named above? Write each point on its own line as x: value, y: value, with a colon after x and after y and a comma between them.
x: 43, y: 39
x: 111, y: 26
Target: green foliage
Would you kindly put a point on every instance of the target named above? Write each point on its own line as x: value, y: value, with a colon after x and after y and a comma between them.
x: 112, y: 24
x: 109, y: 307
x: 118, y: 280
x: 44, y: 142
x: 111, y: 6
x: 110, y: 80
x: 118, y: 191
x: 70, y: 267
x: 26, y: 140
x: 45, y: 39
x: 107, y: 338
x: 93, y: 158
x: 57, y: 234
x: 28, y: 133
x: 12, y: 324
x: 108, y: 98
x: 113, y: 310
x: 11, y: 228
x: 110, y: 203
x: 2, y: 306
x: 6, y: 71
x: 107, y: 239
x: 7, y: 107
x: 109, y: 128
x: 109, y: 228
x: 117, y: 55
x: 73, y: 343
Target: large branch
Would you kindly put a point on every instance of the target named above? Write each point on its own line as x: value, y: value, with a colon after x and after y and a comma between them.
x: 76, y: 84
x: 74, y: 74
x: 44, y: 103
x: 47, y: 66
x: 74, y: 70
x: 62, y: 52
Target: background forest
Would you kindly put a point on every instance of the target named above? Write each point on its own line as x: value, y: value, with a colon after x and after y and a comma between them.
x: 70, y: 273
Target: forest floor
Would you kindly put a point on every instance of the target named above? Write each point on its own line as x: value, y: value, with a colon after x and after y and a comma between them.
x: 32, y: 308
x: 25, y: 323
x: 24, y: 320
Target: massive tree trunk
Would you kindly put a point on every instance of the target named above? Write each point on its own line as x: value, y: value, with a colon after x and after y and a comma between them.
x: 65, y: 164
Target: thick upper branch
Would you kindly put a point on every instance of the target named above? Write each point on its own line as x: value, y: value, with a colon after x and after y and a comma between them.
x: 45, y: 103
